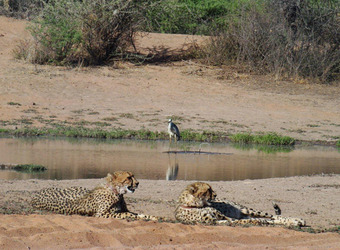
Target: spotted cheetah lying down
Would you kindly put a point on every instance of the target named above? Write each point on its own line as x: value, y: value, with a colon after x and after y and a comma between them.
x: 104, y: 201
x: 197, y: 204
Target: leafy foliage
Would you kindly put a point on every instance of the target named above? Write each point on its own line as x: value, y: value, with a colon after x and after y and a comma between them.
x: 83, y: 32
x: 189, y: 16
x: 56, y: 32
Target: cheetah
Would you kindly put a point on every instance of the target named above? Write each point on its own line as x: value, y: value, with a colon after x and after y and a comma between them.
x: 104, y: 201
x: 197, y: 204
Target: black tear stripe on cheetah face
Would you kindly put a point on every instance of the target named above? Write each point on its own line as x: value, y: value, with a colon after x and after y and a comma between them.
x: 103, y: 201
x: 197, y: 204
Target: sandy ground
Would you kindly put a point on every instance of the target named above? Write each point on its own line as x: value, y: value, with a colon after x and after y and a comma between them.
x: 198, y: 97
x: 133, y: 97
x: 313, y: 198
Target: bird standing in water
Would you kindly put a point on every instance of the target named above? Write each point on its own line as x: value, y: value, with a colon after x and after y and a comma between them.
x: 173, y: 131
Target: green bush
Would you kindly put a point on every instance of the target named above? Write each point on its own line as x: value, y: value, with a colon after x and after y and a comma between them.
x: 189, y: 16
x: 56, y: 32
x: 20, y: 8
x: 86, y: 32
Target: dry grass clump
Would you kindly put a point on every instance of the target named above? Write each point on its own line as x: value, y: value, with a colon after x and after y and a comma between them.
x: 289, y: 38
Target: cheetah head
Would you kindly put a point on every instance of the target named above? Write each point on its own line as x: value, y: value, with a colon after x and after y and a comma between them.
x: 198, y: 194
x: 122, y: 182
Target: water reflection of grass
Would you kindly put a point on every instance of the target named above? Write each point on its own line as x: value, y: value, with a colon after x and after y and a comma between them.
x: 269, y: 149
x: 27, y: 168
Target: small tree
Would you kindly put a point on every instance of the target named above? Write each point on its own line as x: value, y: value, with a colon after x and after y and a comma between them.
x: 56, y: 32
x: 108, y: 27
x: 87, y: 31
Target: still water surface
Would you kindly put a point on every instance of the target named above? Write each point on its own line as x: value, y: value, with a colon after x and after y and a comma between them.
x: 89, y: 158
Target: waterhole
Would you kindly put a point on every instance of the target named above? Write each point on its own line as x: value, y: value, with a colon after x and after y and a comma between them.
x: 90, y: 158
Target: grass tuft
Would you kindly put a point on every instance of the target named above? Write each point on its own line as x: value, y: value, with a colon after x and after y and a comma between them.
x: 29, y: 168
x: 264, y: 139
x: 144, y: 134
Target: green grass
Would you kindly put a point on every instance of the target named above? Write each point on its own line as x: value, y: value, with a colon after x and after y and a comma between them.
x: 69, y: 131
x: 14, y: 103
x: 209, y: 136
x: 338, y: 143
x: 144, y: 134
x: 29, y: 168
x: 263, y: 139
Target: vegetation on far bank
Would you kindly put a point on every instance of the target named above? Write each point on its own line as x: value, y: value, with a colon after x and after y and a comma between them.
x: 245, y: 141
x: 142, y: 134
x: 186, y: 135
x: 259, y: 138
x: 289, y: 39
x: 264, y: 139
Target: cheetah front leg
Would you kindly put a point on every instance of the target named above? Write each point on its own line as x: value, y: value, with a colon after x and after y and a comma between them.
x: 152, y: 218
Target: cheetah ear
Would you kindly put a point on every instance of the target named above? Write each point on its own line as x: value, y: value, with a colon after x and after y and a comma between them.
x: 192, y: 189
x: 110, y: 177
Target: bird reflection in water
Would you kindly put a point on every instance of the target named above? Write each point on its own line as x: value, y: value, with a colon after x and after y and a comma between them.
x: 172, y: 171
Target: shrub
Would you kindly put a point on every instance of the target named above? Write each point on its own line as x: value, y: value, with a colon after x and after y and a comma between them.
x: 20, y: 8
x: 88, y: 31
x: 288, y: 38
x: 56, y: 32
x: 108, y: 27
x: 188, y: 16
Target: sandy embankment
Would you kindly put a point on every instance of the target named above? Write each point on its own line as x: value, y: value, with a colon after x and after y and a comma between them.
x: 314, y: 198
